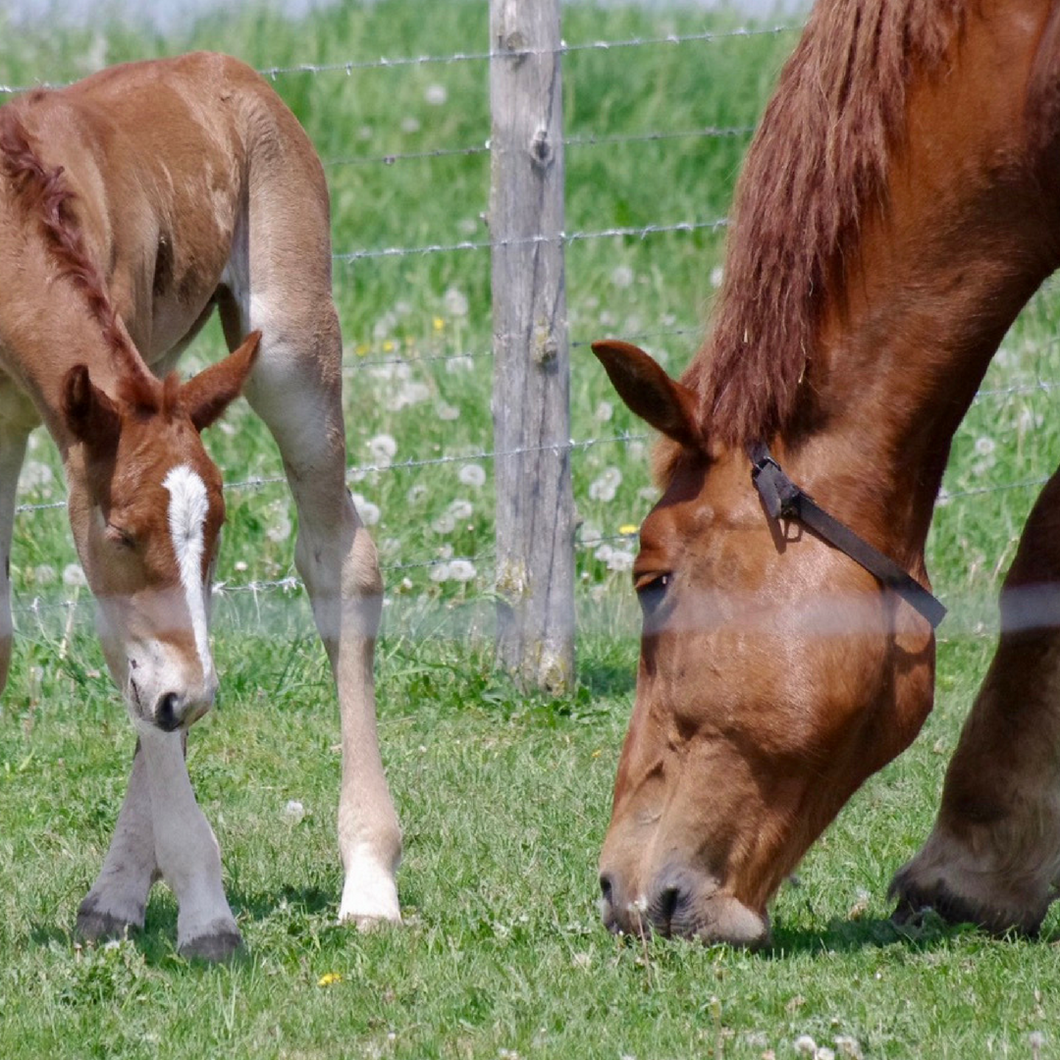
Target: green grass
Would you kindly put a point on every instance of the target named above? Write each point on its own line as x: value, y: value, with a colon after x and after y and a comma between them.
x: 504, y: 796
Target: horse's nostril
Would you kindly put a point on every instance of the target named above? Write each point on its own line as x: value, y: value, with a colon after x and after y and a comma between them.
x: 606, y: 887
x: 166, y: 712
x: 663, y: 909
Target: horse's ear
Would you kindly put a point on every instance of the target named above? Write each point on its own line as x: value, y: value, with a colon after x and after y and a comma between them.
x: 90, y: 416
x: 665, y: 404
x: 206, y: 395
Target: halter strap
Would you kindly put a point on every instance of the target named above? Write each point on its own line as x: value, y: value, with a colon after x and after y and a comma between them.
x: 783, y: 499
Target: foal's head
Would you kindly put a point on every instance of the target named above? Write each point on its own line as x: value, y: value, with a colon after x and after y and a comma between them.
x: 146, y: 509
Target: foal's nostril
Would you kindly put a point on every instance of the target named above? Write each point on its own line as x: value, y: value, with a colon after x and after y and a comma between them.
x: 166, y: 712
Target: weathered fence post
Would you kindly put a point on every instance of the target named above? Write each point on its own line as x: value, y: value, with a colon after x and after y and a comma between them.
x: 531, y: 385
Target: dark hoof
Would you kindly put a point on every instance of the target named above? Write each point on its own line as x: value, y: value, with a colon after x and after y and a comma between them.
x: 94, y: 925
x: 213, y: 948
x: 915, y: 900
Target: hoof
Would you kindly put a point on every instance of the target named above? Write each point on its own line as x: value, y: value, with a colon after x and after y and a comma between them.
x: 95, y: 925
x: 369, y: 898
x: 216, y: 947
x: 915, y: 898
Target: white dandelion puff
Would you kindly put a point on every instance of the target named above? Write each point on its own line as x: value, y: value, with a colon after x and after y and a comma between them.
x: 622, y: 276
x: 436, y: 95
x: 382, y: 447
x: 74, y: 576
x: 606, y: 486
x: 455, y: 302
x: 461, y: 509
x: 461, y: 570
x: 472, y: 475
x: 447, y: 412
x: 368, y: 511
x: 604, y: 411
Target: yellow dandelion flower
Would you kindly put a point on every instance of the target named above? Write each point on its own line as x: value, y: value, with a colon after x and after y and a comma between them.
x: 362, y: 349
x: 439, y: 323
x: 627, y: 529
x: 388, y: 346
x: 329, y: 978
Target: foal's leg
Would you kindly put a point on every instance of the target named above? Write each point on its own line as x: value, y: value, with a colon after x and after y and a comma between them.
x: 296, y: 390
x: 118, y: 898
x: 12, y: 451
x: 186, y: 851
x: 993, y: 856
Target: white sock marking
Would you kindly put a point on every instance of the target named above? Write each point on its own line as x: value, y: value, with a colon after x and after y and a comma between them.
x: 188, y: 507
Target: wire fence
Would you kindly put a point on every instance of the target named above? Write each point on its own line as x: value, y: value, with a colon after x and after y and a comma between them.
x: 677, y: 331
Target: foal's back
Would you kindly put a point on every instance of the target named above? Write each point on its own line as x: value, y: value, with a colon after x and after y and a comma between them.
x: 163, y: 158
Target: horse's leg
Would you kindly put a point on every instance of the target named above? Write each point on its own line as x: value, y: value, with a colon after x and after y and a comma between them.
x: 296, y: 389
x: 13, y: 436
x: 186, y: 850
x: 993, y: 856
x: 118, y: 898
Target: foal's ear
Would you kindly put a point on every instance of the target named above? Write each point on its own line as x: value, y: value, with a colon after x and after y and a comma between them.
x: 206, y: 395
x: 665, y: 404
x: 90, y: 416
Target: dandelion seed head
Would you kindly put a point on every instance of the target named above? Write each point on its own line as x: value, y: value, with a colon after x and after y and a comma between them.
x: 622, y: 276
x: 74, y: 576
x: 368, y: 511
x: 447, y: 412
x: 383, y: 447
x: 461, y: 570
x: 436, y: 95
x: 455, y: 302
x: 472, y: 475
x: 604, y: 411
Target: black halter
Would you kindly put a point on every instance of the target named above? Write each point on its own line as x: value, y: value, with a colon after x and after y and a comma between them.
x: 783, y: 499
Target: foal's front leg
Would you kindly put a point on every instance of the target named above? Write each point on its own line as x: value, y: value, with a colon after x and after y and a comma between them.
x: 186, y: 851
x: 162, y: 832
x: 993, y: 857
x: 118, y: 899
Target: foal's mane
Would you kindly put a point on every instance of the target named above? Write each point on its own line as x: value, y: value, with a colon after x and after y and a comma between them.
x: 818, y: 161
x: 45, y: 194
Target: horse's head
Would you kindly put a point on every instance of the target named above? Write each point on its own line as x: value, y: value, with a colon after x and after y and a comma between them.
x: 146, y: 509
x: 775, y: 676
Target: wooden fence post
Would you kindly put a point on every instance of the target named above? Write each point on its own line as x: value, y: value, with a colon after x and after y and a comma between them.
x: 531, y: 384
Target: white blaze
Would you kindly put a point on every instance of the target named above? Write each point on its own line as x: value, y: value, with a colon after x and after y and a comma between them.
x: 188, y: 507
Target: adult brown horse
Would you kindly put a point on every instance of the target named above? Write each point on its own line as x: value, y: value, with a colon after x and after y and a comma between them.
x: 131, y: 204
x: 898, y: 206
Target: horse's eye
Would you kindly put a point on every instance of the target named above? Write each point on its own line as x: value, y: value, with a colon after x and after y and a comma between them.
x: 651, y: 588
x: 118, y: 535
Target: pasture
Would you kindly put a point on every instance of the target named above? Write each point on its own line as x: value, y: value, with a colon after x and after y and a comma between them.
x: 503, y: 796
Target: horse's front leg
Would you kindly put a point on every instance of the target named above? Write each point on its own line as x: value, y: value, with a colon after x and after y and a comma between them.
x: 118, y: 899
x: 993, y: 857
x: 186, y: 850
x: 297, y: 392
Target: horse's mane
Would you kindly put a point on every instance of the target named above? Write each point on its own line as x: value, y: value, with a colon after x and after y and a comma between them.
x: 45, y: 194
x: 818, y: 161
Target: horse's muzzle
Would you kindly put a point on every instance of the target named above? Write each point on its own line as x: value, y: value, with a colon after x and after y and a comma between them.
x: 681, y: 904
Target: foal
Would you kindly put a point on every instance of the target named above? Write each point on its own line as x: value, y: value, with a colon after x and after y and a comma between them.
x: 131, y: 204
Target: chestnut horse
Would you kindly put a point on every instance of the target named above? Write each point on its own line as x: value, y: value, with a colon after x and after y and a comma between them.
x: 131, y: 204
x: 898, y: 206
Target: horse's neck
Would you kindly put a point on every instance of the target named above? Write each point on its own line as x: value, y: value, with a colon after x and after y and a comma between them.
x: 968, y: 231
x: 47, y: 324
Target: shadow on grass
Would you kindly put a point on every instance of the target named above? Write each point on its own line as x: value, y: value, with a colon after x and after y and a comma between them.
x: 848, y: 936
